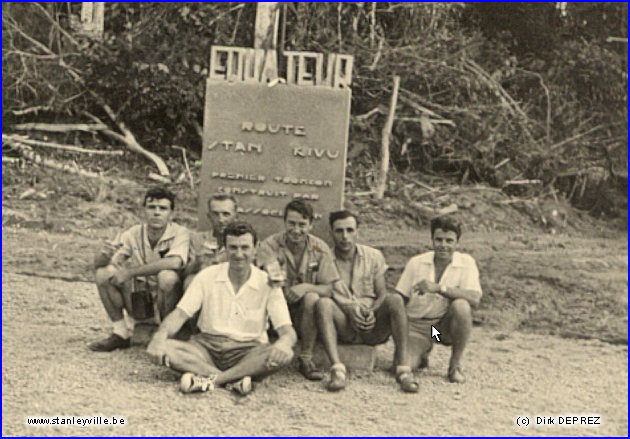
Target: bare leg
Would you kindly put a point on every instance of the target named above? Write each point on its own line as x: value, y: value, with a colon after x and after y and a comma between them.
x: 188, y: 357
x: 459, y: 329
x: 308, y: 328
x: 418, y: 345
x: 169, y: 291
x: 392, y: 312
x: 254, y: 364
x: 330, y: 318
x: 112, y: 298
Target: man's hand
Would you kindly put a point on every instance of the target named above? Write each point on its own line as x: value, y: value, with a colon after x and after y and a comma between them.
x: 296, y: 292
x: 108, y: 249
x: 362, y: 318
x: 280, y: 355
x: 120, y: 277
x: 157, y: 349
x: 425, y: 287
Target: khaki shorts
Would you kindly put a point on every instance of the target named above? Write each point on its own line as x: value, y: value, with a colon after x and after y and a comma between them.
x: 422, y: 328
x: 225, y: 352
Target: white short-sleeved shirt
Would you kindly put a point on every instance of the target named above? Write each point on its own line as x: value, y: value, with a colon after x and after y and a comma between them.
x: 462, y: 273
x: 241, y: 316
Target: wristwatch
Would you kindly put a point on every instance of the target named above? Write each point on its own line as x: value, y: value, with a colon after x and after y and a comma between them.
x: 442, y: 289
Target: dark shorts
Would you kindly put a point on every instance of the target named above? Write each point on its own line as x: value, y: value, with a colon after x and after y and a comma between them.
x: 224, y: 352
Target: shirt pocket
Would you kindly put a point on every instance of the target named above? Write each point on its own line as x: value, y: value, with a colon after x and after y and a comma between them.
x: 254, y: 321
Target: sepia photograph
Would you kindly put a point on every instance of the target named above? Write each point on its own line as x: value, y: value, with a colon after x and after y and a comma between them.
x: 305, y: 219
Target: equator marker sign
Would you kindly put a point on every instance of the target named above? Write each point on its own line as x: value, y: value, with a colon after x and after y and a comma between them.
x: 268, y: 141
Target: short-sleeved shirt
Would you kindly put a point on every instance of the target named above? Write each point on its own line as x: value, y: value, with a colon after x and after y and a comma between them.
x: 369, y: 264
x: 462, y: 273
x: 316, y: 267
x: 242, y: 315
x: 136, y: 250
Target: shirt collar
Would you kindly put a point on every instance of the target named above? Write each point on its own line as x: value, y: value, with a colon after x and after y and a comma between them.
x: 360, y: 253
x: 456, y: 260
x: 169, y: 232
x: 252, y: 282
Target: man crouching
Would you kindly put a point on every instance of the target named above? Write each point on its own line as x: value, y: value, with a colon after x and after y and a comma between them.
x: 234, y: 301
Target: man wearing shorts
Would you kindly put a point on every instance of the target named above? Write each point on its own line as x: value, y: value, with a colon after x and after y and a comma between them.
x: 208, y: 248
x: 309, y: 275
x: 442, y: 285
x: 235, y: 302
x: 147, y: 257
x: 361, y: 309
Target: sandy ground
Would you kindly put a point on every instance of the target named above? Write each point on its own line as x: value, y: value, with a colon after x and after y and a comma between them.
x: 512, y: 372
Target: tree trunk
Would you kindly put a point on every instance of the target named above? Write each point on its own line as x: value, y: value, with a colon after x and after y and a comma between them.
x: 266, y: 29
x: 386, y: 134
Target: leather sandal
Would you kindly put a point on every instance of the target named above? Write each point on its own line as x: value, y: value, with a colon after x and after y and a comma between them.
x: 337, y: 378
x: 408, y: 382
x: 455, y: 375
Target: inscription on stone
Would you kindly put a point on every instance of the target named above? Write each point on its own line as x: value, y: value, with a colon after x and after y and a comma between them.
x: 266, y: 144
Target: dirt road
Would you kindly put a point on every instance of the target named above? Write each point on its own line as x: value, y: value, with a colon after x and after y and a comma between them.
x: 48, y: 371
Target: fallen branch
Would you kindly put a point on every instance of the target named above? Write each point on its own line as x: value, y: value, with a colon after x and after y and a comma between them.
x: 128, y: 139
x: 385, y: 137
x: 571, y: 139
x: 190, y: 177
x: 70, y: 148
x: 520, y: 182
x: 28, y: 153
x: 10, y: 159
x: 160, y: 179
x: 373, y: 111
x: 60, y: 127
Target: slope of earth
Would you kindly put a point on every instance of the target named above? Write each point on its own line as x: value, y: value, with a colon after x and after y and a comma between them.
x: 538, y: 285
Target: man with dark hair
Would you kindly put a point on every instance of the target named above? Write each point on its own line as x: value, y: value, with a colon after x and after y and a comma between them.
x: 208, y: 248
x: 140, y: 270
x: 442, y: 285
x: 361, y: 309
x: 235, y: 302
x: 309, y: 275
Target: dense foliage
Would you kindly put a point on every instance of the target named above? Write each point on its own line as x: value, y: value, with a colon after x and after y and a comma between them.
x: 490, y: 92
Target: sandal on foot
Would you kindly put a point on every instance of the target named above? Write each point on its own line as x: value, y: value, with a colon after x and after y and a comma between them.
x: 408, y: 382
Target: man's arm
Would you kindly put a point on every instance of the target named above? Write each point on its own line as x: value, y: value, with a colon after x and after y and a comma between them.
x: 281, y: 351
x: 296, y: 292
x: 168, y: 263
x: 168, y: 328
x: 472, y: 296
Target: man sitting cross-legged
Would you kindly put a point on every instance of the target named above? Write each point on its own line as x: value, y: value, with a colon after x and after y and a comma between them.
x: 442, y: 285
x: 154, y: 251
x: 361, y: 310
x: 234, y: 301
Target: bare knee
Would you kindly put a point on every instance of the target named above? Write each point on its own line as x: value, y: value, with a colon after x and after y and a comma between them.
x: 102, y: 276
x: 324, y: 307
x: 460, y: 309
x: 395, y: 302
x: 168, y: 281
x: 310, y: 300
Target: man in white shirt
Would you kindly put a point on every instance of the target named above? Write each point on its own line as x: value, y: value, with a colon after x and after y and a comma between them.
x: 441, y: 286
x: 235, y: 302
